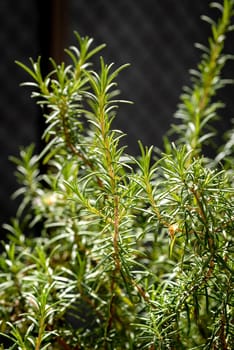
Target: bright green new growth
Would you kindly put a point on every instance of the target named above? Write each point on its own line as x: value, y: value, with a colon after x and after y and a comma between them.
x: 112, y: 252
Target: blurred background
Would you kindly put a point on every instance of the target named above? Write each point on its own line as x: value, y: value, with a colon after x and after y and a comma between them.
x: 155, y: 36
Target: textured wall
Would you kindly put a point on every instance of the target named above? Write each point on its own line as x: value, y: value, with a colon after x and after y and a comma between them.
x: 19, y: 39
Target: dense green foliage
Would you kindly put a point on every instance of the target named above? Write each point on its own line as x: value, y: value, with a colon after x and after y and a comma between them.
x: 108, y: 251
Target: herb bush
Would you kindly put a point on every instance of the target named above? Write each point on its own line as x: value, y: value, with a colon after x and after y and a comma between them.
x: 110, y: 251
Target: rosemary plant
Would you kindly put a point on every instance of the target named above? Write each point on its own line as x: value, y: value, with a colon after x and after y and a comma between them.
x: 108, y: 251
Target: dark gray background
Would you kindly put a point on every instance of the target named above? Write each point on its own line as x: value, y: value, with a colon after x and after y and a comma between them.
x: 155, y: 36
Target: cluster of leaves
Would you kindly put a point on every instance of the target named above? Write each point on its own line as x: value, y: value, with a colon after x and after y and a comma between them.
x: 108, y: 251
